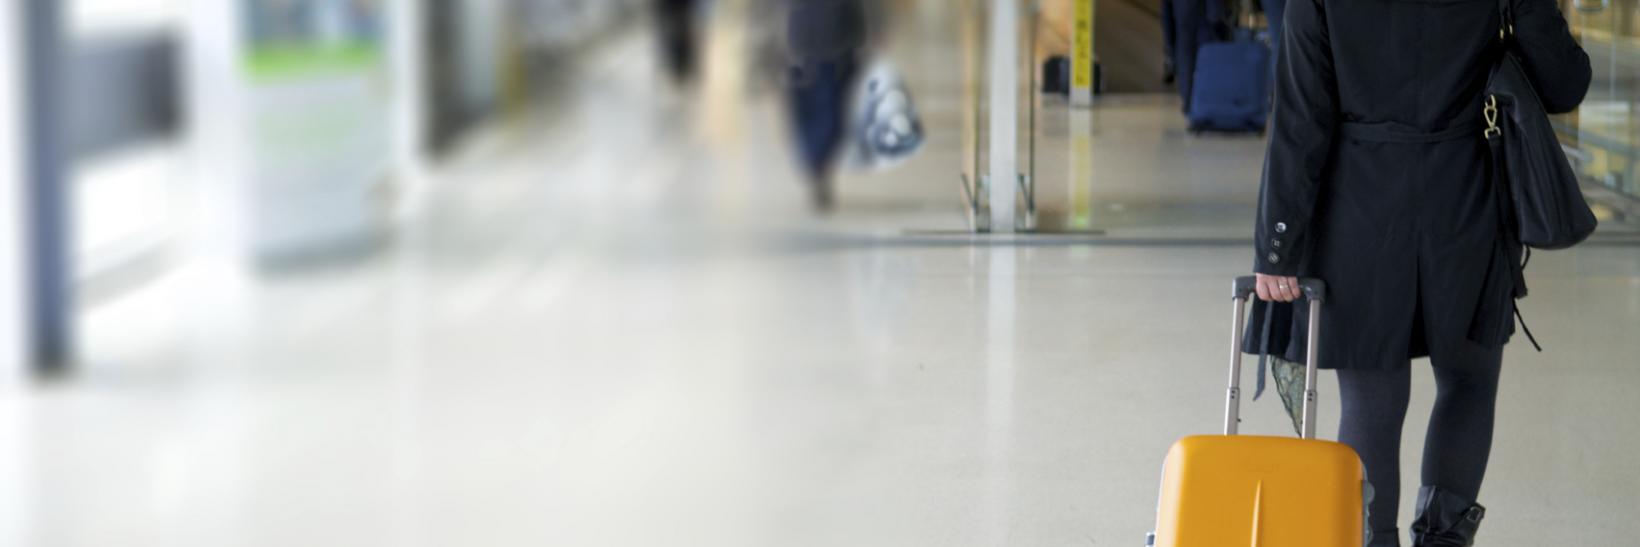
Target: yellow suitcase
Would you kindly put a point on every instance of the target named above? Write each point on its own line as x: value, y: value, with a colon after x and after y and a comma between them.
x: 1249, y: 491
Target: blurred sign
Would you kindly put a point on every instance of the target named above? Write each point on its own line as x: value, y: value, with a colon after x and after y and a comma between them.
x: 292, y: 39
x: 318, y: 122
x: 1082, y: 79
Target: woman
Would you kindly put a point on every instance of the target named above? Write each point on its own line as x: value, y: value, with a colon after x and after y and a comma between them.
x: 1376, y: 180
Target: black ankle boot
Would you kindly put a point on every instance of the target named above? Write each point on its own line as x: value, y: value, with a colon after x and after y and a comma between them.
x: 1445, y: 519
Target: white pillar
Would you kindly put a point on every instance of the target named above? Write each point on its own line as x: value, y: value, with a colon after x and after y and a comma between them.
x: 1081, y: 170
x: 211, y: 54
x: 12, y: 368
x: 406, y: 56
x: 1004, y: 60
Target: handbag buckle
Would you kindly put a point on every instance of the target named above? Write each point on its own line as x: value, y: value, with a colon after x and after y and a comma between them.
x: 1491, y: 113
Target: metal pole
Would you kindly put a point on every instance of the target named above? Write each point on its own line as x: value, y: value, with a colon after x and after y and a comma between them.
x: 47, y: 196
x: 1004, y: 131
x: 1311, y: 362
x: 1232, y: 395
x: 1032, y: 92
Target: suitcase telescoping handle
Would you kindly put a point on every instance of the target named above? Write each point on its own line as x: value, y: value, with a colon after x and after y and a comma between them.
x: 1315, y: 292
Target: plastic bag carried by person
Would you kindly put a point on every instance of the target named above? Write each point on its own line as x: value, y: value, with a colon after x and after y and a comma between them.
x: 885, y: 128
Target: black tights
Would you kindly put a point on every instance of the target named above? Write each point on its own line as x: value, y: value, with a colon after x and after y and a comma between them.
x: 1459, y: 439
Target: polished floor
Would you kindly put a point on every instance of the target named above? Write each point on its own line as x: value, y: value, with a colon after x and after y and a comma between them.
x: 614, y: 321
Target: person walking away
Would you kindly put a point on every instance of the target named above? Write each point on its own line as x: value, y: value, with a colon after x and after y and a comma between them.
x: 1169, y: 62
x: 1376, y: 180
x: 676, y: 27
x: 1195, y: 22
x: 826, y: 39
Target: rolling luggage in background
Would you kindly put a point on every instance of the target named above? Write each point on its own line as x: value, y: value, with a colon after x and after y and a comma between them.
x: 1232, y: 86
x: 1056, y: 75
x: 1229, y: 490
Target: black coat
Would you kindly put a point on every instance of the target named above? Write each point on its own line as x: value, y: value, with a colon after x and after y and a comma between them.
x: 1376, y: 177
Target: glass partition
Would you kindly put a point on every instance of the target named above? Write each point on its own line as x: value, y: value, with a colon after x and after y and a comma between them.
x: 974, y: 23
x: 1603, y: 135
x: 976, y: 180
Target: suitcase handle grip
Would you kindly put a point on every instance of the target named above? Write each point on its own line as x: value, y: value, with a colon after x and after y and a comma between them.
x: 1315, y: 292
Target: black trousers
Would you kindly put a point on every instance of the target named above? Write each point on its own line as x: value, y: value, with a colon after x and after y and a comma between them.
x: 679, y: 43
x: 818, y: 101
x: 1458, y: 442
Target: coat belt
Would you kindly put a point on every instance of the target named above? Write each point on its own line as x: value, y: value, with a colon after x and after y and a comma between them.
x: 1393, y: 132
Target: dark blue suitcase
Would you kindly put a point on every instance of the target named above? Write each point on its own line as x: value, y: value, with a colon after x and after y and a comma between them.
x: 1232, y: 86
x: 1056, y: 75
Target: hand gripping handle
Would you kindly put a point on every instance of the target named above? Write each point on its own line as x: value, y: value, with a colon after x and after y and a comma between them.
x: 1315, y: 290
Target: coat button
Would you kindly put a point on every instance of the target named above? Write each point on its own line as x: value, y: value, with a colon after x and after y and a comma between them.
x: 1281, y: 227
x: 1275, y: 244
x: 1274, y: 258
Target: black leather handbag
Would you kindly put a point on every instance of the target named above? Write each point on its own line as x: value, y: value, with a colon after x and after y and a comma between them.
x: 1540, y: 200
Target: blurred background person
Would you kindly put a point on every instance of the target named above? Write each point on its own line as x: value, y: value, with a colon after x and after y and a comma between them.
x: 1168, y: 41
x: 1194, y: 22
x: 827, y: 41
x: 678, y: 32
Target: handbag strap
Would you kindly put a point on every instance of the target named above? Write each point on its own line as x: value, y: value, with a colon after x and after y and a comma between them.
x: 1506, y: 31
x: 1517, y: 270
